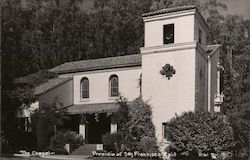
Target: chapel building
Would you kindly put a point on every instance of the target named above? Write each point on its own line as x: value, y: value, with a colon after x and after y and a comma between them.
x: 178, y: 72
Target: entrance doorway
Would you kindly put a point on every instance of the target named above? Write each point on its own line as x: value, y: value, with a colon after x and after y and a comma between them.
x: 96, y: 129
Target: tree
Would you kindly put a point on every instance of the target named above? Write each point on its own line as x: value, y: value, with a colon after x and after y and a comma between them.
x: 56, y: 32
x: 233, y: 35
x: 38, y: 35
x: 235, y: 57
x: 22, y: 93
x: 32, y: 34
x: 115, y: 27
x: 44, y: 122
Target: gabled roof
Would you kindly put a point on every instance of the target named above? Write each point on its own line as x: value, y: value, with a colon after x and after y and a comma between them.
x: 98, y: 64
x: 107, y: 63
x: 93, y: 108
x: 51, y: 84
x: 169, y: 10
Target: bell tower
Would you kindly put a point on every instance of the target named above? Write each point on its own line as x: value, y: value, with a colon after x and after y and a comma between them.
x: 174, y: 63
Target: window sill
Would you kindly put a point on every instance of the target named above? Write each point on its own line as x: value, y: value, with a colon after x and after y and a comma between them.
x: 114, y: 98
x: 84, y: 100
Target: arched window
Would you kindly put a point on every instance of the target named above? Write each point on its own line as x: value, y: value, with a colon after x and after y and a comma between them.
x: 113, y: 86
x: 84, y: 87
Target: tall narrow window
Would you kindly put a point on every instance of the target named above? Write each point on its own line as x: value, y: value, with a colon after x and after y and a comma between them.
x: 164, y: 130
x: 200, y: 36
x: 113, y: 86
x: 168, y: 34
x: 85, y: 88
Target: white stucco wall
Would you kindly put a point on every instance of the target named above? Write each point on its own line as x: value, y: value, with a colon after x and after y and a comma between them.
x: 168, y: 97
x: 99, y: 84
x: 199, y: 25
x: 63, y: 93
x: 183, y: 29
x: 185, y: 90
x: 201, y: 80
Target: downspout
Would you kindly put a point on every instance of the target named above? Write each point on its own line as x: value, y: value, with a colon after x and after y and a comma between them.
x: 209, y: 84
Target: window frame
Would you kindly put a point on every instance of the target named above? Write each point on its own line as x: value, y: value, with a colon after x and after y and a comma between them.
x: 165, y: 31
x: 112, y: 87
x: 200, y: 36
x: 84, y: 88
x: 164, y: 127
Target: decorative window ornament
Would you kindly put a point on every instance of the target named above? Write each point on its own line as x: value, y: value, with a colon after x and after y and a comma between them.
x: 167, y: 71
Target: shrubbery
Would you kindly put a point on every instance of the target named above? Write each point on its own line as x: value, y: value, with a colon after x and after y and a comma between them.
x: 241, y: 125
x: 200, y: 132
x: 58, y: 141
x: 112, y: 142
x: 44, y: 120
x: 136, y: 129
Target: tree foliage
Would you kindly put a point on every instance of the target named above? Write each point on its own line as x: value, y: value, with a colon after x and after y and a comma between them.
x: 136, y: 130
x: 21, y: 93
x: 139, y: 128
x: 200, y: 132
x: 235, y: 57
x: 45, y: 119
x: 58, y: 141
x: 24, y: 86
x: 37, y: 35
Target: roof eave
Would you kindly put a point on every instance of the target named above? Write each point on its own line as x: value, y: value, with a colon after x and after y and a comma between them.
x: 217, y: 47
x: 59, y: 84
x: 96, y: 68
x: 169, y: 10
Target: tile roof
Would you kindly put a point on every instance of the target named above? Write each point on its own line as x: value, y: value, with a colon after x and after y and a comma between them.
x: 106, y: 63
x: 51, y: 84
x: 98, y: 64
x: 169, y: 10
x: 93, y: 108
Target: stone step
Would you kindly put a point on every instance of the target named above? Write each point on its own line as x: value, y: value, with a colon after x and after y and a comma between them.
x: 85, y: 149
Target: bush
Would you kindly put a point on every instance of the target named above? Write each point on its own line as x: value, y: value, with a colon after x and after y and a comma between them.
x: 141, y: 130
x: 241, y: 127
x: 148, y: 144
x: 140, y: 119
x: 44, y: 120
x: 199, y: 132
x: 112, y: 142
x: 136, y: 128
x: 4, y: 144
x: 58, y: 141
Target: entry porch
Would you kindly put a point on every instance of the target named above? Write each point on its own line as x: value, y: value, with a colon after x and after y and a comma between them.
x: 93, y: 121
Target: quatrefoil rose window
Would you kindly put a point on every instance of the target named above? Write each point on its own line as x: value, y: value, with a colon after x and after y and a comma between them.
x: 167, y: 71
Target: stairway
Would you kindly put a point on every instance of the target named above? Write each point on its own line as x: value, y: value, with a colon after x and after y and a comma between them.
x: 85, y: 149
